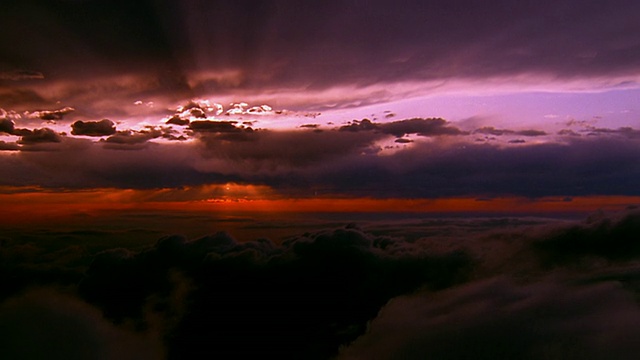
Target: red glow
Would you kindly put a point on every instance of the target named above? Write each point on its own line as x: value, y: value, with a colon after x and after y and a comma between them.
x: 32, y: 205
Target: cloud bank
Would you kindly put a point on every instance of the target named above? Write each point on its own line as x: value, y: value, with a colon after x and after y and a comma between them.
x: 446, y: 288
x: 413, y: 158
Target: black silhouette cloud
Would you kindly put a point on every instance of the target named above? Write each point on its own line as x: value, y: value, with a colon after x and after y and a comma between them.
x: 214, y: 126
x: 36, y: 136
x: 6, y: 126
x: 8, y: 146
x: 103, y: 127
x: 418, y: 126
x: 52, y: 114
x: 490, y: 130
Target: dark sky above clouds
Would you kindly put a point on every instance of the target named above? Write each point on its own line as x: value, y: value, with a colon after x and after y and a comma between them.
x: 345, y: 41
x: 212, y: 47
x: 164, y: 82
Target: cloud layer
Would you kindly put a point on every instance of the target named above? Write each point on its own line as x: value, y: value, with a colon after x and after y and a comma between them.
x: 446, y: 288
x: 412, y: 158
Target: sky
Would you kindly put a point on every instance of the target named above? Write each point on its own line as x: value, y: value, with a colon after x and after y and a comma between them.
x: 293, y: 125
x: 466, y: 100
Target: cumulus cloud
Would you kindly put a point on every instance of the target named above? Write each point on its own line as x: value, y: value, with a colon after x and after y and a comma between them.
x: 216, y: 126
x: 52, y: 114
x: 36, y: 136
x: 360, y: 125
x: 177, y: 120
x: 131, y: 137
x: 626, y: 131
x: 203, y: 111
x: 103, y: 127
x: 6, y: 126
x: 418, y: 126
x: 490, y: 130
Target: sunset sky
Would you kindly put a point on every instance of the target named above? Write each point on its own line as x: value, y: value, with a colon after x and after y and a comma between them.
x: 283, y: 100
x: 141, y: 119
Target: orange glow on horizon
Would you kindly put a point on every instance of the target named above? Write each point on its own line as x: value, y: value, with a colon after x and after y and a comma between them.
x: 32, y: 205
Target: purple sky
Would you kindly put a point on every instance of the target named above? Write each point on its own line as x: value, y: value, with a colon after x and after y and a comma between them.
x: 262, y: 92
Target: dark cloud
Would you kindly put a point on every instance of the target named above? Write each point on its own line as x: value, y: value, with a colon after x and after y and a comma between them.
x: 6, y: 126
x: 612, y: 238
x: 490, y: 130
x: 52, y: 114
x: 103, y: 127
x: 5, y: 146
x: 568, y: 132
x: 81, y: 163
x: 628, y: 132
x: 215, y: 126
x: 420, y: 127
x: 202, y: 296
x: 395, y: 287
x: 321, y: 289
x: 18, y: 75
x: 579, y: 167
x: 360, y: 125
x: 131, y: 137
x: 177, y: 120
x: 36, y: 136
x: 531, y: 133
x: 197, y: 113
x: 338, y: 162
x: 281, y: 43
x: 287, y: 151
